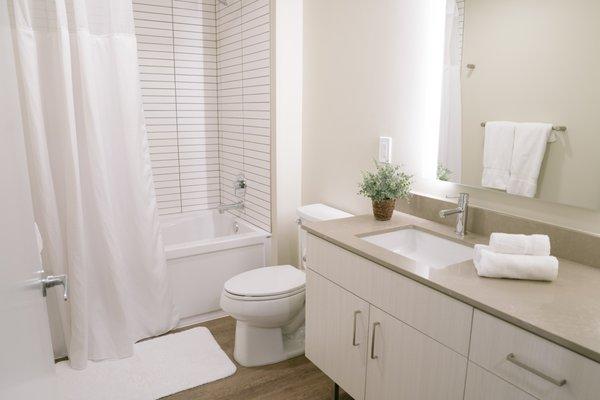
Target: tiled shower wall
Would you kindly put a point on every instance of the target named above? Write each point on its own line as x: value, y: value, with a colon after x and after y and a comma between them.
x: 243, y: 62
x: 205, y: 77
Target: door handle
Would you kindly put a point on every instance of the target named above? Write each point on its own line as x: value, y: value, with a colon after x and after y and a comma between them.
x: 55, y: 280
x: 373, y: 356
x: 354, y: 343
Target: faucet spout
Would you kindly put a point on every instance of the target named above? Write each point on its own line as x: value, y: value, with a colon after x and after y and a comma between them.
x: 461, y: 211
x: 447, y: 213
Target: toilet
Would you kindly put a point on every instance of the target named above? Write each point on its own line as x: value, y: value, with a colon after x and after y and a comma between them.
x: 268, y: 303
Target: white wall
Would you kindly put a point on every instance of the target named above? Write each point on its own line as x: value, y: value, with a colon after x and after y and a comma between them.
x: 370, y: 69
x: 365, y: 74
x: 288, y: 141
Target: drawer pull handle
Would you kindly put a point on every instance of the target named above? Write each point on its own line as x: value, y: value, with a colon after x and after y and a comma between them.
x: 373, y: 356
x: 513, y: 359
x: 354, y: 342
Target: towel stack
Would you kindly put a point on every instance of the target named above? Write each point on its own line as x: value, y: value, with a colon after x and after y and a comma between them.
x: 516, y: 257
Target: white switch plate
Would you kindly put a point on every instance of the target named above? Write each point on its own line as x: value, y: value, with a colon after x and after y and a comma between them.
x: 385, y: 149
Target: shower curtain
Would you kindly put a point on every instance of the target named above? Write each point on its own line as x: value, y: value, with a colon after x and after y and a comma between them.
x: 450, y: 144
x: 90, y: 172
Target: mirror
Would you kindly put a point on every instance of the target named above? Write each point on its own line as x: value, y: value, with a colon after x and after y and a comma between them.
x: 521, y: 68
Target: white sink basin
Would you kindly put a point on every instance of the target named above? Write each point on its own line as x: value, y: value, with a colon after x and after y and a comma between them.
x: 422, y: 247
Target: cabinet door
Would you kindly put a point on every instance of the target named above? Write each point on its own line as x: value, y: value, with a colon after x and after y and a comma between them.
x: 482, y: 385
x: 404, y: 364
x: 336, y: 333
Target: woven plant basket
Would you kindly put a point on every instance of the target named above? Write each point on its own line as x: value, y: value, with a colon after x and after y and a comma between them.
x: 383, y: 210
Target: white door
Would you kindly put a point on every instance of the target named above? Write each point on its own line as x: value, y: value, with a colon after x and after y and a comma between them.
x: 405, y: 364
x: 26, y: 364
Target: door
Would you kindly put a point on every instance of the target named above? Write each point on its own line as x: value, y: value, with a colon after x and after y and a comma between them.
x: 336, y: 333
x: 404, y: 364
x: 26, y: 364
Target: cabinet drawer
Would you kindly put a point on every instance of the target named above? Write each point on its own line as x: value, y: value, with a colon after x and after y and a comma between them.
x: 439, y: 316
x: 482, y: 385
x: 493, y: 340
x: 336, y: 333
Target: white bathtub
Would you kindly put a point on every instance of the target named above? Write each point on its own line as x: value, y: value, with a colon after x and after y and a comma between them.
x: 205, y: 249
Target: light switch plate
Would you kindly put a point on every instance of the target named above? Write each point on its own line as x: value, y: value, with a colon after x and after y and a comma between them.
x: 385, y: 149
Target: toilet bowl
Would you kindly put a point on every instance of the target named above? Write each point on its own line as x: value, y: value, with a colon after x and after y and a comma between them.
x: 268, y: 305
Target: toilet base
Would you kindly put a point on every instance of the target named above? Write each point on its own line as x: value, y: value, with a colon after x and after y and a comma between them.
x: 262, y: 346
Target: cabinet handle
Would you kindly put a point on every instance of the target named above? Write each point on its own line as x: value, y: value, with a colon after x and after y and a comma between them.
x: 354, y: 343
x: 373, y: 356
x: 513, y: 359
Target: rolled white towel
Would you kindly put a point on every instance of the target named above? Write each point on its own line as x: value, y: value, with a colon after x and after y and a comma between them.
x: 497, y: 265
x: 533, y: 245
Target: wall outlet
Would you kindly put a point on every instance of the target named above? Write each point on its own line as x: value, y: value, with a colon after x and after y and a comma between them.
x: 385, y: 149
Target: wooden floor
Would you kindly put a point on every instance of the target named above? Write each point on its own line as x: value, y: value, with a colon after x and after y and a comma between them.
x: 295, y: 379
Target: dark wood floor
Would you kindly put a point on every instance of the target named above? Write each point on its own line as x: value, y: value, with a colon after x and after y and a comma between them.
x: 294, y: 379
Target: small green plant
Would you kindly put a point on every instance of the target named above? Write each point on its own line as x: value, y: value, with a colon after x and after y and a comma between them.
x: 443, y: 173
x: 388, y: 182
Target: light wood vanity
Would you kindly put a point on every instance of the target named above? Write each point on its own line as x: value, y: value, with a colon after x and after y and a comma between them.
x: 383, y: 334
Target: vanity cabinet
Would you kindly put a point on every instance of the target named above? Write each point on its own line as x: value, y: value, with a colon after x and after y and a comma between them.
x: 381, y: 335
x: 371, y: 354
x: 336, y: 336
x: 359, y: 338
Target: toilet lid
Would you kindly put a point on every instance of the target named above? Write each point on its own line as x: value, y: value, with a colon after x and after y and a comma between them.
x: 267, y: 281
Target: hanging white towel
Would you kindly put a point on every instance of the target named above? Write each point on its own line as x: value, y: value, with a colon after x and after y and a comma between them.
x: 497, y: 265
x: 527, y: 156
x: 497, y: 154
x: 533, y: 245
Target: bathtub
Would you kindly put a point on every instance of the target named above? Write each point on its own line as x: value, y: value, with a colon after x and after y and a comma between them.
x: 204, y: 249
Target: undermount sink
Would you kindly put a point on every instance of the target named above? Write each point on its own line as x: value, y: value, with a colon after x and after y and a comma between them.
x: 422, y: 247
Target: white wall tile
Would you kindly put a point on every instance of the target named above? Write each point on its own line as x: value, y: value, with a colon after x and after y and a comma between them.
x: 205, y: 76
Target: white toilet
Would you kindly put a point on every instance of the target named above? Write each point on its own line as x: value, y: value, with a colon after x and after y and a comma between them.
x: 268, y: 304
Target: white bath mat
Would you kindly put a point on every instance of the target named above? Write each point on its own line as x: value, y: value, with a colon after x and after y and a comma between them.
x: 160, y: 366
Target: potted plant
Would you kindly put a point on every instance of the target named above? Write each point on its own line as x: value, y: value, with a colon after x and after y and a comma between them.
x: 383, y: 187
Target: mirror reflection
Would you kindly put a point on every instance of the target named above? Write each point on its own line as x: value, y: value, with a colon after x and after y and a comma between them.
x: 521, y: 98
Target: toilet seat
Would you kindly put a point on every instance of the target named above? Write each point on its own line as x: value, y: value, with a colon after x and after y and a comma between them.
x: 267, y: 283
x: 262, y: 298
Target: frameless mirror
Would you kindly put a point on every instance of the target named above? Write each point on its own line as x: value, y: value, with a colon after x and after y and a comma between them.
x: 521, y: 98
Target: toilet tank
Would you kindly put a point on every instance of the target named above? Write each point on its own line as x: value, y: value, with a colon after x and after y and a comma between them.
x: 314, y: 212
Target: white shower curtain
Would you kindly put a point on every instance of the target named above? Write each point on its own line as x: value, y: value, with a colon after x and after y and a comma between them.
x: 450, y: 145
x: 90, y: 171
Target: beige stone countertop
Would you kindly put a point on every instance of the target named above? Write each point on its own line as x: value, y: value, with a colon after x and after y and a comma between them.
x: 566, y: 311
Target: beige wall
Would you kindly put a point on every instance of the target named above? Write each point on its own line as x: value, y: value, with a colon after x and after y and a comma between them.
x: 364, y: 76
x: 536, y: 61
x: 288, y: 128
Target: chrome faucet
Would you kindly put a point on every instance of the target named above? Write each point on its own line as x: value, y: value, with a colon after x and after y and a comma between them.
x: 233, y: 206
x: 462, y: 212
x: 239, y: 189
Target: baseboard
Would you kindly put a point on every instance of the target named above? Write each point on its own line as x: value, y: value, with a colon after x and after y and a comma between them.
x: 198, y: 319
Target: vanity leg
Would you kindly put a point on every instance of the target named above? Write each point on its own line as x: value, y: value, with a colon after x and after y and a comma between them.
x: 336, y: 391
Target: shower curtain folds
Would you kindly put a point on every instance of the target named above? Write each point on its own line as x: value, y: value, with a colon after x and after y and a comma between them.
x: 90, y: 173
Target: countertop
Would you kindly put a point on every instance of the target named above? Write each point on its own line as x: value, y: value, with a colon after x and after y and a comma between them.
x: 566, y: 311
